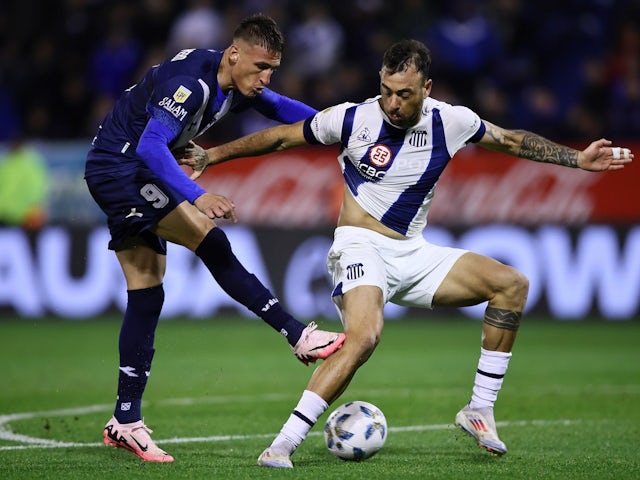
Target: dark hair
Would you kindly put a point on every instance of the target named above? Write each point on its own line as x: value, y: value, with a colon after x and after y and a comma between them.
x: 260, y: 30
x: 403, y: 54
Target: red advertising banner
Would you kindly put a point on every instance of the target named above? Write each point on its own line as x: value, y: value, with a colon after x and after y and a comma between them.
x: 303, y: 188
x: 480, y: 186
x: 297, y: 188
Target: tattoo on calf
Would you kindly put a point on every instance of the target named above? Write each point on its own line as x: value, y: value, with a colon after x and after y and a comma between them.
x: 539, y: 149
x: 500, y: 318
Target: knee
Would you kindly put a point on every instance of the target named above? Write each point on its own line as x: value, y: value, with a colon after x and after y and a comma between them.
x: 360, y: 344
x: 520, y: 284
x: 515, y: 286
x: 215, y: 244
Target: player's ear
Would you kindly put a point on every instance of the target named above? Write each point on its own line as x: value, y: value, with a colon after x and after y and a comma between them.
x: 234, y: 54
x: 427, y: 87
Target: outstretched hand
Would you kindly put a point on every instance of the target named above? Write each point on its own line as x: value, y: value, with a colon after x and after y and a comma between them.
x: 600, y: 156
x: 216, y: 206
x: 194, y: 156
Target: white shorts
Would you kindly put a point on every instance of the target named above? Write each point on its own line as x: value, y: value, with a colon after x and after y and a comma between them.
x: 408, y: 271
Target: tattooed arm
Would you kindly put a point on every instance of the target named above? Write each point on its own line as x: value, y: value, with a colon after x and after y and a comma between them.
x: 597, y: 157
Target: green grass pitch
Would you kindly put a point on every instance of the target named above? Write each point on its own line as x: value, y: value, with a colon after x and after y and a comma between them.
x: 221, y: 389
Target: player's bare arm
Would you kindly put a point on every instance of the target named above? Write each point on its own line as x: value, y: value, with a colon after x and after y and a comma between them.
x: 599, y: 156
x: 281, y: 137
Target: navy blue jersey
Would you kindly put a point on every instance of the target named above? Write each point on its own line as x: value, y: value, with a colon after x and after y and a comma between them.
x: 180, y: 99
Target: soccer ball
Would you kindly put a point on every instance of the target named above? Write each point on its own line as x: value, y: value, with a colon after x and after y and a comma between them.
x: 355, y: 431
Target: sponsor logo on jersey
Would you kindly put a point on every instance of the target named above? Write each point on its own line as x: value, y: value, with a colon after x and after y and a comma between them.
x: 370, y: 172
x: 172, y: 107
x: 181, y: 94
x: 364, y: 135
x: 380, y: 155
x: 379, y: 160
x: 182, y: 54
x: 375, y: 163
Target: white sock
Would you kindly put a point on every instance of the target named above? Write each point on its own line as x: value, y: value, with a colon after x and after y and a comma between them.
x: 492, y: 367
x: 303, y: 417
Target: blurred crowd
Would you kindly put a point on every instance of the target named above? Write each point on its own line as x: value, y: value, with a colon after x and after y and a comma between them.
x: 567, y: 69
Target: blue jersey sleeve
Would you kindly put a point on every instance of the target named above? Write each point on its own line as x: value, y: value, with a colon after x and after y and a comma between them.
x: 153, y: 148
x: 278, y: 107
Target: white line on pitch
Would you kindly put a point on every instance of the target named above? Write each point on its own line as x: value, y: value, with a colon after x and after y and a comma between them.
x: 224, y: 438
x: 34, y: 442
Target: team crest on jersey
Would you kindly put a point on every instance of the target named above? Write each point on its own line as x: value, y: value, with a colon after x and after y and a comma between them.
x: 418, y: 138
x: 181, y: 94
x: 380, y: 155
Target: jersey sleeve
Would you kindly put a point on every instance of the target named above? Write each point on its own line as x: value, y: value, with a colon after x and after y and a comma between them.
x: 326, y: 127
x: 279, y: 107
x: 462, y: 126
x: 153, y: 148
x: 175, y: 101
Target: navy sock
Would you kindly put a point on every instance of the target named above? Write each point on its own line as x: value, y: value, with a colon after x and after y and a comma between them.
x: 244, y: 287
x: 136, y: 350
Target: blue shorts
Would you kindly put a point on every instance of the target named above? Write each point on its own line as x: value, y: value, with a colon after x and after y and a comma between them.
x: 134, y: 202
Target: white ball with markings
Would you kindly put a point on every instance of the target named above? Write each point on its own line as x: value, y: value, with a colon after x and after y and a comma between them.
x: 355, y: 431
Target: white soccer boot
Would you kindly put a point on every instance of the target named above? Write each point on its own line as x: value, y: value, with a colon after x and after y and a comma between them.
x: 479, y: 423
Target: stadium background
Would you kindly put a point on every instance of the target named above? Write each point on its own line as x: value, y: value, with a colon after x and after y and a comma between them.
x: 568, y: 70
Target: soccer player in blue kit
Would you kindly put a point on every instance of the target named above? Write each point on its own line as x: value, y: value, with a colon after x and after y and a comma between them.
x: 132, y: 174
x: 394, y: 148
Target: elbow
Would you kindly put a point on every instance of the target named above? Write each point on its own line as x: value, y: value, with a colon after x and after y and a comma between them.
x: 148, y: 143
x: 279, y: 145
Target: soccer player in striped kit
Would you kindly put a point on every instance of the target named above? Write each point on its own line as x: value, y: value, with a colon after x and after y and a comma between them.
x: 394, y: 147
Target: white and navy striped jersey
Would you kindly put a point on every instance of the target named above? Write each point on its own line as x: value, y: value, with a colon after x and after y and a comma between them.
x: 392, y: 172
